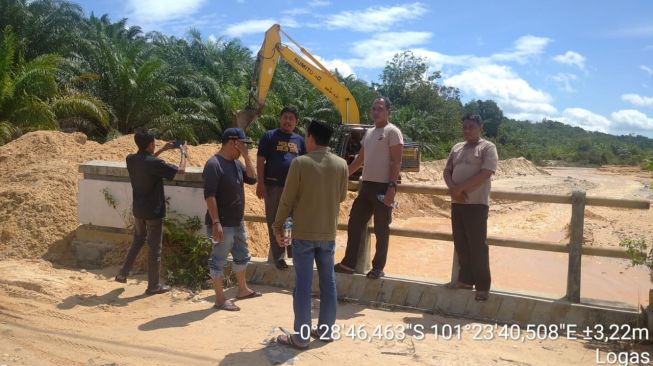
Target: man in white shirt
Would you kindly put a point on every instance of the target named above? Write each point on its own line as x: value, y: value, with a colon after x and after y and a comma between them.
x: 380, y: 156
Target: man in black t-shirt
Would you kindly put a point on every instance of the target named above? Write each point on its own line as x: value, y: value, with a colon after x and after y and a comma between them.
x: 224, y: 192
x: 146, y: 173
x: 276, y: 150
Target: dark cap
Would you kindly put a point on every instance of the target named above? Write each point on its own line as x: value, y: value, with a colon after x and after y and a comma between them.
x: 235, y: 133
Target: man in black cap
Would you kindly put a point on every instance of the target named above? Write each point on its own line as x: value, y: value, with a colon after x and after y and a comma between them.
x: 224, y: 175
x: 315, y: 187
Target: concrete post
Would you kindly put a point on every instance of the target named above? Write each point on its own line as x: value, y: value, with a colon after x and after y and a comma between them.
x: 363, y: 265
x: 575, y: 245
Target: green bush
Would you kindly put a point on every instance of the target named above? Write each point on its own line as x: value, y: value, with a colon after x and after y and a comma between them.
x: 647, y: 164
x: 636, y: 249
x: 186, y: 251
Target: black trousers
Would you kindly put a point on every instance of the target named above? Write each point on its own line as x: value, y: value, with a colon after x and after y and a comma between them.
x: 152, y: 230
x: 365, y: 205
x: 469, y: 227
x: 272, y: 198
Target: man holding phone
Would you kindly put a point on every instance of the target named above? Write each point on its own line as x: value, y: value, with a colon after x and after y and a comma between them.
x: 224, y: 175
x: 146, y: 174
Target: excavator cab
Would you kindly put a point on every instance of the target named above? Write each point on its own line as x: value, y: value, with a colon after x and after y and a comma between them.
x: 347, y: 141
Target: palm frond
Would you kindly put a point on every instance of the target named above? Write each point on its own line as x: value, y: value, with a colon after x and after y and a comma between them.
x: 82, y: 106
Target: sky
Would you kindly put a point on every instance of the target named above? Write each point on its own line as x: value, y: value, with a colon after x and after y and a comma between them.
x: 584, y: 63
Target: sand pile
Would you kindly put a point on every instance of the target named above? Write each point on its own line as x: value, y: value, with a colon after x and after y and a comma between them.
x: 431, y: 171
x: 38, y: 187
x: 38, y: 190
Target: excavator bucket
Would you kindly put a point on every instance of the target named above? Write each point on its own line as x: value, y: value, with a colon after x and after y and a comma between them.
x: 245, y: 117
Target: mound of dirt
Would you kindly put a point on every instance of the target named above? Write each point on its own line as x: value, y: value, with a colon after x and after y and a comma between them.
x: 38, y: 192
x: 431, y: 171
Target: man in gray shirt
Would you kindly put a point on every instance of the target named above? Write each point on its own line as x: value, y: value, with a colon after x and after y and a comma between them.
x: 467, y: 174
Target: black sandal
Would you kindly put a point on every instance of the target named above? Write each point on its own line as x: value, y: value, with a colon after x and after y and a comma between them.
x: 281, y: 264
x: 287, y: 339
x: 315, y: 334
x: 482, y: 296
x: 375, y: 274
x: 121, y: 279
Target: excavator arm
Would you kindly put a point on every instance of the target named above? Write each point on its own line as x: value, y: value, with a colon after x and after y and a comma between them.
x: 313, y: 71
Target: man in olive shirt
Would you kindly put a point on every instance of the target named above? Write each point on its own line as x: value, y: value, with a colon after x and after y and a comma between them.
x: 146, y: 173
x: 315, y: 187
x: 467, y: 174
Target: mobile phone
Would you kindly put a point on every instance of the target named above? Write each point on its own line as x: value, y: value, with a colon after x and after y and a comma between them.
x: 179, y: 143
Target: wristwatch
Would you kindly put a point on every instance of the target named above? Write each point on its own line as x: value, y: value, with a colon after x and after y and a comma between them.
x: 392, y: 184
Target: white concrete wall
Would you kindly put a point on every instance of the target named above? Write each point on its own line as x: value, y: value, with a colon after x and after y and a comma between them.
x: 93, y: 208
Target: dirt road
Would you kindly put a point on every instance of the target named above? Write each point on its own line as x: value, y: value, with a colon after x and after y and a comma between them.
x: 52, y: 316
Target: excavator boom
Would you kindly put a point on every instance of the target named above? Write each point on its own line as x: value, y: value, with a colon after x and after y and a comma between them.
x: 313, y: 71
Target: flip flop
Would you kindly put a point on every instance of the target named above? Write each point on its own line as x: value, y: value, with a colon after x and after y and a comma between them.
x: 228, y: 305
x: 481, y: 296
x: 340, y: 269
x: 287, y: 339
x: 252, y: 295
x: 458, y: 286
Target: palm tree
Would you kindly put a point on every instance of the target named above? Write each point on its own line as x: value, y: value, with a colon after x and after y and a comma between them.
x: 30, y: 97
x: 44, y: 26
x: 128, y: 75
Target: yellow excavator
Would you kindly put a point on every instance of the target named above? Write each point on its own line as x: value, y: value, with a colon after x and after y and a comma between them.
x: 347, y: 138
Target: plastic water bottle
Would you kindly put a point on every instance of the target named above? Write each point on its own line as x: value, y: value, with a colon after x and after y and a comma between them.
x: 381, y: 198
x: 287, y: 231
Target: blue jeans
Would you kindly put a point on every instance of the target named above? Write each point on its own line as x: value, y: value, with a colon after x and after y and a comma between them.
x: 304, y: 253
x: 234, y: 241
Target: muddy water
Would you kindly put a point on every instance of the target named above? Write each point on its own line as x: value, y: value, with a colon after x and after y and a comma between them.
x: 514, y: 270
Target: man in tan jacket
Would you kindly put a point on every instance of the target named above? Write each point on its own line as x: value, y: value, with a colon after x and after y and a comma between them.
x: 468, y: 173
x: 315, y: 187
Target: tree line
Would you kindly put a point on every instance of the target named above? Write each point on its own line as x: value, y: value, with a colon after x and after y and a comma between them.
x: 60, y: 69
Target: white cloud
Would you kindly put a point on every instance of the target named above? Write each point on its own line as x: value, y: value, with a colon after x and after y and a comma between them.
x: 571, y: 58
x: 212, y: 38
x: 296, y: 11
x: 375, y: 51
x: 513, y: 94
x: 376, y: 18
x: 631, y: 120
x: 249, y: 27
x: 288, y: 22
x: 524, y: 48
x: 638, y: 100
x: 318, y: 3
x: 565, y: 80
x: 585, y: 119
x: 343, y: 67
x: 647, y: 69
x: 151, y: 11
